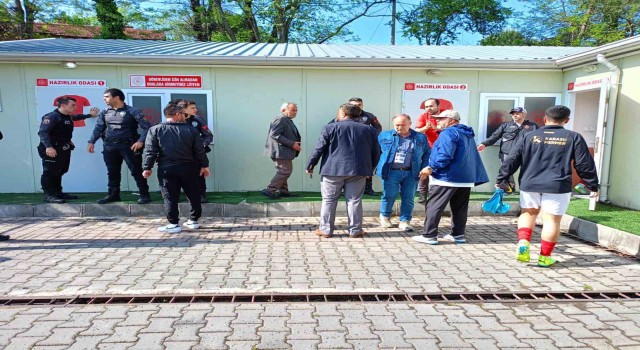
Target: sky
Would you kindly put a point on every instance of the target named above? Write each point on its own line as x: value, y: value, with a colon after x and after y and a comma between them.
x: 375, y: 30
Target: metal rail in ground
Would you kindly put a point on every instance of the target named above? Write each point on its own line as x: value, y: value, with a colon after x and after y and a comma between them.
x: 481, y: 297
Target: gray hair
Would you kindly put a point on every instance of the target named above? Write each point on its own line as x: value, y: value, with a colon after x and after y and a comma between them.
x: 285, y: 105
x: 401, y: 115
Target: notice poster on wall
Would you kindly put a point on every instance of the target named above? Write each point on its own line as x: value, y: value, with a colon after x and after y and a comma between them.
x: 87, y: 172
x: 451, y: 95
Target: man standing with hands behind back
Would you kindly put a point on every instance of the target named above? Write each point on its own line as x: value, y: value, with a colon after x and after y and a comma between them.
x: 282, y: 146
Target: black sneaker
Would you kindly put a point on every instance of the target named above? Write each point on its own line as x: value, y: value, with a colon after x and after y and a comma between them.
x: 4, y: 237
x: 66, y: 196
x: 144, y: 199
x: 371, y: 193
x: 272, y: 195
x: 53, y: 199
x: 288, y: 194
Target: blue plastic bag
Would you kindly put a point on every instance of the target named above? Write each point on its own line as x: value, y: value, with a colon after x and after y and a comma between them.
x: 495, y: 205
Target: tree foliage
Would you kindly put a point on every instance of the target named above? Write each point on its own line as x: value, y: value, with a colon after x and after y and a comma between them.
x: 579, y: 22
x: 440, y: 22
x: 507, y: 38
x: 280, y: 21
x: 111, y: 20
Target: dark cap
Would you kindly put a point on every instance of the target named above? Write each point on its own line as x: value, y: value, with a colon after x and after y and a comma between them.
x: 518, y: 110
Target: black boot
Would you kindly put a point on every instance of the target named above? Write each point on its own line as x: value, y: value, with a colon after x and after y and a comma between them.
x: 113, y: 196
x: 368, y: 188
x: 203, y: 198
x: 66, y: 196
x: 145, y: 197
x: 50, y: 198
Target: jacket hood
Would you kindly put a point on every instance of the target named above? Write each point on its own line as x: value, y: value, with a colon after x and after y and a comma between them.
x: 466, y: 130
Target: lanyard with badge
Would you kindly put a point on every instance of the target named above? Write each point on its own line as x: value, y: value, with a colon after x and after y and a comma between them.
x: 401, y: 153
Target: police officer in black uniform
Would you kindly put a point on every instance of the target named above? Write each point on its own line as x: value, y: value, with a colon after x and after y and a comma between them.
x: 371, y: 120
x: 56, y: 129
x: 508, y: 133
x: 118, y: 127
x: 178, y: 149
x: 206, y: 135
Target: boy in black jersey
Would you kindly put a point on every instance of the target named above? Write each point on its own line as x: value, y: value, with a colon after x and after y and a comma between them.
x: 545, y: 156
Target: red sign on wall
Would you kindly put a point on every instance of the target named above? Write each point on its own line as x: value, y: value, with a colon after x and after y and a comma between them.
x: 166, y: 81
x: 70, y: 82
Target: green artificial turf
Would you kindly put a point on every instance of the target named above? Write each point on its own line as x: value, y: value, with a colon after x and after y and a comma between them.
x: 213, y: 197
x: 606, y: 214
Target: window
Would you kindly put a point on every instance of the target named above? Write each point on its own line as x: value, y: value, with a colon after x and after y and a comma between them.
x: 495, y: 108
x: 152, y: 102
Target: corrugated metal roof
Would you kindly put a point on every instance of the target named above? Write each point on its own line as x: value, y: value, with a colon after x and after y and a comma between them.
x: 176, y: 52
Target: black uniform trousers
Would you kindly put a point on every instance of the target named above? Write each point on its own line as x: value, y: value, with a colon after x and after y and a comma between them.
x: 173, y: 178
x: 114, y: 154
x: 54, y: 167
x: 439, y: 197
x: 511, y: 180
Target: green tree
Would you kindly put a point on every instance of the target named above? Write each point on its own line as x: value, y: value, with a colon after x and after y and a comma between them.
x: 280, y: 21
x: 580, y: 22
x: 507, y: 38
x: 439, y: 22
x: 111, y: 20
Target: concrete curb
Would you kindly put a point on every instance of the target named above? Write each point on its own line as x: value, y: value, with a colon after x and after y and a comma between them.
x: 605, y: 236
x: 252, y: 210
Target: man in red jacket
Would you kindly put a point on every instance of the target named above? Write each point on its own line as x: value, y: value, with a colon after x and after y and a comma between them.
x: 429, y: 126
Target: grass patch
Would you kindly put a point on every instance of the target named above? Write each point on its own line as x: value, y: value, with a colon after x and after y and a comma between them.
x: 606, y: 214
x: 213, y: 197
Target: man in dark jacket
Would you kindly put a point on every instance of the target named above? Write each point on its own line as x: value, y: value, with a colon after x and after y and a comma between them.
x: 118, y: 127
x: 282, y: 146
x: 349, y: 151
x: 367, y: 118
x: 181, y: 159
x: 455, y: 167
x: 544, y: 157
x: 508, y: 133
x: 55, y: 147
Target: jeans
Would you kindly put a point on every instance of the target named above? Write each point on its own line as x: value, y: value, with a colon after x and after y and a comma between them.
x: 404, y: 183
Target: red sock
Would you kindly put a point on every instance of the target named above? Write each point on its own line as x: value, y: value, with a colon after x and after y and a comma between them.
x: 524, y: 233
x: 547, y: 247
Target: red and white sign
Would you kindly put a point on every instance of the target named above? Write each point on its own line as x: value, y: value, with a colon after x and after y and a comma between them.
x: 435, y: 86
x: 71, y: 82
x: 588, y: 82
x: 166, y: 81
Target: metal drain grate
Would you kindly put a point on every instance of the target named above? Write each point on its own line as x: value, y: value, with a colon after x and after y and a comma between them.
x: 502, y: 297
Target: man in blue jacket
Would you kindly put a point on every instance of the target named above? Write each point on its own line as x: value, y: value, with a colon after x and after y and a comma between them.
x: 349, y: 150
x: 455, y: 167
x: 404, y: 153
x: 545, y: 158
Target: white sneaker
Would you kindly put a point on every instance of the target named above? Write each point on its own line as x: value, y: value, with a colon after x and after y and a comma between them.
x: 385, y: 221
x: 423, y: 239
x: 405, y: 226
x: 170, y: 228
x: 456, y: 239
x: 191, y: 224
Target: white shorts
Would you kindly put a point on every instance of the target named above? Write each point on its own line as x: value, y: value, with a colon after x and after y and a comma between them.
x: 550, y: 203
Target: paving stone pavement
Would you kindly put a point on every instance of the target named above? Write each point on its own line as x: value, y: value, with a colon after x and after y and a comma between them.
x: 74, y: 256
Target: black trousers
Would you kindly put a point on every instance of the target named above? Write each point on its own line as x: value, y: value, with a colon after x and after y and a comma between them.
x: 114, y: 154
x: 173, y: 178
x: 202, y: 184
x: 54, y: 167
x: 439, y: 197
x: 511, y: 180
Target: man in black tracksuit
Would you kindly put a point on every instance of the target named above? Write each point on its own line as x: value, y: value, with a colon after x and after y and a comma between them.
x: 178, y: 148
x: 508, y: 133
x: 544, y: 157
x: 118, y: 127
x: 55, y: 147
